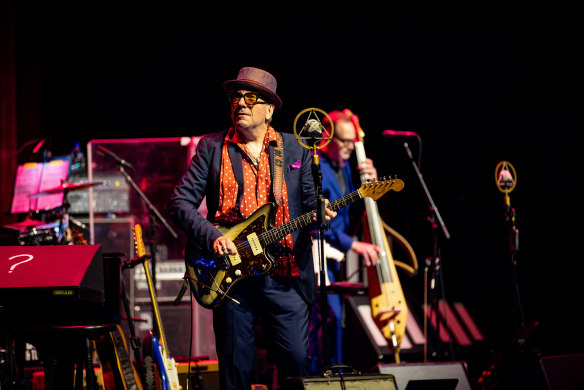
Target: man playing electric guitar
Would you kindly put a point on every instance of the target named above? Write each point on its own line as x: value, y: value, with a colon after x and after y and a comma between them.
x: 239, y: 171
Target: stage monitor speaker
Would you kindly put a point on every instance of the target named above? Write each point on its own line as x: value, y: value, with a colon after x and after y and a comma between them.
x: 428, y: 376
x: 347, y: 382
x: 563, y: 372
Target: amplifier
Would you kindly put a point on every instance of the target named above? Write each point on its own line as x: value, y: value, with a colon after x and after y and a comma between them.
x: 348, y: 382
x: 204, y: 374
x: 113, y: 196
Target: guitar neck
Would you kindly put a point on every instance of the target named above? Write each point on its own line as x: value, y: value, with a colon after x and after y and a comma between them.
x: 304, y: 220
x: 141, y: 251
x: 155, y: 308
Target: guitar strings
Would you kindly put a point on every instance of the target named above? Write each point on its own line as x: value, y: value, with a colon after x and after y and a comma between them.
x: 270, y: 236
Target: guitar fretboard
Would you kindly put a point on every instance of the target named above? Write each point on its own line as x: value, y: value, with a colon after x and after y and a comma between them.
x: 298, y: 223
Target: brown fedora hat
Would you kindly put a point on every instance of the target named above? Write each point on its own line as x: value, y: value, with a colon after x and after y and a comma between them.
x: 257, y: 80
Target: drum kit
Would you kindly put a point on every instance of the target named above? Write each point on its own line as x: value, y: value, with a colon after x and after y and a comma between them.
x: 58, y: 228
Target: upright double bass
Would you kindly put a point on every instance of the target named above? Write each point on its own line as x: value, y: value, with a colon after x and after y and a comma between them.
x: 388, y: 304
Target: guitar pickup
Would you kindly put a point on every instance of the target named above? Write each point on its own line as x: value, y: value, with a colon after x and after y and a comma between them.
x: 234, y: 259
x: 254, y: 244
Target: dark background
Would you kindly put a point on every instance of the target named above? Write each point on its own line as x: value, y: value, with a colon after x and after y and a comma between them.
x: 478, y: 84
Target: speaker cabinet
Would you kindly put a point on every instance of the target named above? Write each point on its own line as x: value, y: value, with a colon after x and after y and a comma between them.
x: 426, y: 376
x: 204, y: 375
x: 176, y: 321
x: 563, y: 372
x: 348, y: 382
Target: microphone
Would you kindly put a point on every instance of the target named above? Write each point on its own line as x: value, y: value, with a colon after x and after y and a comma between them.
x: 38, y: 146
x: 505, y: 180
x: 396, y: 133
x: 313, y: 131
x: 102, y: 150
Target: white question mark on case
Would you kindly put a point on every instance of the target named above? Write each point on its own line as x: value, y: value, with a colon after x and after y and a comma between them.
x: 30, y: 257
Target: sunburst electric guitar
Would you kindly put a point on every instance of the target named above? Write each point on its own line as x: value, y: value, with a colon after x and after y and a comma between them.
x: 212, y: 277
x: 164, y: 361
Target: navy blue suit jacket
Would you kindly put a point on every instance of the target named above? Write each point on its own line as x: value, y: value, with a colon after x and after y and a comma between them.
x: 203, y: 179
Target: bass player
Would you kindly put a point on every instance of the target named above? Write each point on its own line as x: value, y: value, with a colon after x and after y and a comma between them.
x: 337, y: 180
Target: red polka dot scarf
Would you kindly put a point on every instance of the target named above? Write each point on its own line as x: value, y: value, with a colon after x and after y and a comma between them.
x: 257, y: 182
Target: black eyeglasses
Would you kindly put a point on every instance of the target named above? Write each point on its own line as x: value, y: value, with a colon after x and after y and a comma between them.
x: 250, y: 98
x: 345, y: 142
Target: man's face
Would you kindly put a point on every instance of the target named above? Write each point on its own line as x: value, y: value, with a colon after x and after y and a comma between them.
x: 341, y: 146
x: 249, y: 109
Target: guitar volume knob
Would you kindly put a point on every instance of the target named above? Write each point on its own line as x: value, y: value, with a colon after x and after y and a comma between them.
x: 228, y: 280
x: 237, y: 272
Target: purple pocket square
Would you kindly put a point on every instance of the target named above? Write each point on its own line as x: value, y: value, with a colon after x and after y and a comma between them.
x: 295, y: 165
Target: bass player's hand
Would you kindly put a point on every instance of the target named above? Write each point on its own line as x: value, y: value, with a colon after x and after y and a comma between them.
x: 369, y: 252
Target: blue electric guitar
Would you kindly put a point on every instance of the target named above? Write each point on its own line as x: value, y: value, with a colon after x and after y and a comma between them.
x: 165, y: 363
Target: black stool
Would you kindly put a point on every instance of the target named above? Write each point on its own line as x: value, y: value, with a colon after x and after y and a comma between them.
x: 69, y: 351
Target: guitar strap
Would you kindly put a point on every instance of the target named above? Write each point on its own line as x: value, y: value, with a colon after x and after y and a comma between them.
x: 278, y: 169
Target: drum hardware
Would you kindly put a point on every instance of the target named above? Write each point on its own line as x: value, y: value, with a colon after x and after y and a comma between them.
x: 46, y: 234
x: 24, y: 225
x: 68, y: 237
x: 66, y: 187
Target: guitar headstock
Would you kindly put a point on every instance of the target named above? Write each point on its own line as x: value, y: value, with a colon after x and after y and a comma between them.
x: 139, y: 241
x: 379, y: 188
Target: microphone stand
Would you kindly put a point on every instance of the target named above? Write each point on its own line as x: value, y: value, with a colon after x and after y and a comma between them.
x: 322, y: 227
x: 433, y: 263
x: 153, y: 212
x: 518, y: 317
x: 518, y: 321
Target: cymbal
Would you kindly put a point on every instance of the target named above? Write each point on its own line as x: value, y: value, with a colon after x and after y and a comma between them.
x: 23, y: 225
x: 66, y: 187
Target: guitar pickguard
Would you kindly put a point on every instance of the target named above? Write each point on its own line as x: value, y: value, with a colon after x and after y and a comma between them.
x: 213, y: 276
